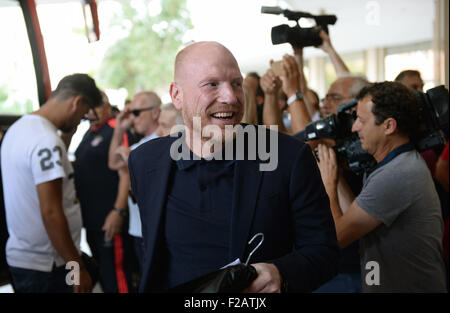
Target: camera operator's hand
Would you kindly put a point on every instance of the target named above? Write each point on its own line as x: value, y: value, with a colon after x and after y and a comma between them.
x: 298, y: 50
x: 326, y: 45
x: 313, y: 144
x: 328, y: 167
x: 270, y: 83
x: 291, y: 76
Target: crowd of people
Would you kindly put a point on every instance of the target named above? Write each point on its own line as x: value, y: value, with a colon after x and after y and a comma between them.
x: 154, y: 222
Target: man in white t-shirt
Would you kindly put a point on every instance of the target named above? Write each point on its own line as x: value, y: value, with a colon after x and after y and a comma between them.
x: 42, y: 212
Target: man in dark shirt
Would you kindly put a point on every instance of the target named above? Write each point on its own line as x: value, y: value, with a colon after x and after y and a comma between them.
x: 199, y: 212
x: 103, y: 206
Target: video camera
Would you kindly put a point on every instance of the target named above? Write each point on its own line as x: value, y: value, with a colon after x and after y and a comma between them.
x: 297, y: 36
x: 433, y: 108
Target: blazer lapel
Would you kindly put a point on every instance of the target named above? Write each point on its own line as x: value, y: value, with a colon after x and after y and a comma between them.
x: 247, y: 179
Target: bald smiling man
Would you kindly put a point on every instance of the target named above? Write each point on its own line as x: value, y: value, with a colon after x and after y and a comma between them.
x: 199, y: 213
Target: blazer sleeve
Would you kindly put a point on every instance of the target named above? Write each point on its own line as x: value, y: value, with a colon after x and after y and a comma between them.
x: 315, y: 258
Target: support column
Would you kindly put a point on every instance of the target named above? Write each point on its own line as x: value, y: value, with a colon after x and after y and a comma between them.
x: 316, y: 79
x: 375, y: 64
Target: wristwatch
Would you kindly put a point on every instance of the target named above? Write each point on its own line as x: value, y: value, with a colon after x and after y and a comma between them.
x: 296, y: 96
x: 122, y: 212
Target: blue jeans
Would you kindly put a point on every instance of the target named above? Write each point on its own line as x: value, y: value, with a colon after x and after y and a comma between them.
x: 342, y: 283
x: 32, y: 281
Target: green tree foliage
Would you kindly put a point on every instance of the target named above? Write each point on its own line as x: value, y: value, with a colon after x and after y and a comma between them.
x: 144, y: 59
x: 15, y: 106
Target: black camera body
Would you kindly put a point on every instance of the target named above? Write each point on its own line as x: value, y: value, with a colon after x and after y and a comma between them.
x: 433, y: 119
x: 298, y: 36
x: 339, y: 128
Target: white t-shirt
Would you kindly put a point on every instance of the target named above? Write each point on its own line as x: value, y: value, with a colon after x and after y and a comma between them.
x: 135, y: 228
x: 32, y: 153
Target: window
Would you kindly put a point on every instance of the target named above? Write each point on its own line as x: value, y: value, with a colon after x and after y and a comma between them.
x: 355, y: 62
x: 18, y: 90
x: 411, y: 57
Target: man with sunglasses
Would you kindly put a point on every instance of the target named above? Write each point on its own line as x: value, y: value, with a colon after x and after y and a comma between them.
x: 42, y: 213
x: 103, y: 204
x: 142, y: 114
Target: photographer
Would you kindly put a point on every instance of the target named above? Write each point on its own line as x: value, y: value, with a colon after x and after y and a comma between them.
x: 397, y: 215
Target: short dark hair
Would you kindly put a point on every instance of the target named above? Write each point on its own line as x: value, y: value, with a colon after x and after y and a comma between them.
x: 405, y: 73
x: 392, y: 99
x: 79, y: 84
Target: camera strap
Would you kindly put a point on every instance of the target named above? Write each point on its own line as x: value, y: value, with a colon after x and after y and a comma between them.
x: 399, y: 150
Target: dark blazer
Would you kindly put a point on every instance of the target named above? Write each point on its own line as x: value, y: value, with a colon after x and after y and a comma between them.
x: 289, y: 205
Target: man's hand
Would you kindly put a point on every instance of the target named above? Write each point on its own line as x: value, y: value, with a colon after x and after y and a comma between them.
x: 328, y: 168
x: 270, y: 83
x: 326, y: 45
x: 113, y: 224
x: 291, y: 76
x: 124, y: 120
x: 313, y: 144
x: 85, y: 285
x: 268, y: 281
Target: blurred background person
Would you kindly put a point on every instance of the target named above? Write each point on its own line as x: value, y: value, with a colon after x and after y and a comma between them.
x: 103, y: 205
x: 411, y: 79
x: 143, y: 115
x: 253, y: 81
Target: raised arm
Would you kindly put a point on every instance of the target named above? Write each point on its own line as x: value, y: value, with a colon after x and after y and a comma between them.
x: 338, y: 64
x: 271, y: 85
x: 308, y: 96
x: 124, y: 120
x: 290, y: 84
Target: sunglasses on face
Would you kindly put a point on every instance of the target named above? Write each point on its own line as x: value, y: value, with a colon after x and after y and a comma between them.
x: 136, y: 112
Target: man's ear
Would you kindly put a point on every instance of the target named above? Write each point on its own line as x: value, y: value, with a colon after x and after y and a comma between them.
x: 75, y: 102
x: 390, y: 125
x: 156, y: 112
x: 176, y: 93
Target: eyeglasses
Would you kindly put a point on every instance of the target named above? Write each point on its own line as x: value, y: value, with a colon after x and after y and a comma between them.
x: 333, y: 98
x: 136, y: 112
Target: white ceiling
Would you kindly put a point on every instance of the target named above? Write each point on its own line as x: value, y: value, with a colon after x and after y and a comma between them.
x: 241, y: 27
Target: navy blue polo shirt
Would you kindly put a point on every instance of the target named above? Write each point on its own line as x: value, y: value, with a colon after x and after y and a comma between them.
x: 198, y: 218
x: 96, y: 185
